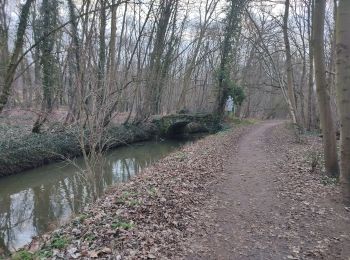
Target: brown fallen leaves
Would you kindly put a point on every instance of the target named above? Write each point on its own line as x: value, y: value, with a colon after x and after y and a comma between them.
x: 151, y: 216
x: 156, y: 214
x: 315, y: 216
x: 300, y: 216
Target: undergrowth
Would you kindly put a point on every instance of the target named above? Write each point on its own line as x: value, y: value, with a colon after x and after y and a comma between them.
x: 21, y: 150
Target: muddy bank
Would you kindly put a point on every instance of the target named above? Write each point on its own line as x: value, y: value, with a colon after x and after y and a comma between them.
x: 20, y: 151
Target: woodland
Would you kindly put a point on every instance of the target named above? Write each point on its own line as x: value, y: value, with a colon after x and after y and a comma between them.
x: 74, y: 71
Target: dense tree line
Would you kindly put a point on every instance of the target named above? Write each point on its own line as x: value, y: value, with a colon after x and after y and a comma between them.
x: 97, y: 59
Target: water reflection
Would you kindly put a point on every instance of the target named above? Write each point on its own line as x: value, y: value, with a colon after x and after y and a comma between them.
x: 34, y: 202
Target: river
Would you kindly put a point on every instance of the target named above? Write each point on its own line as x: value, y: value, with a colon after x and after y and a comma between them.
x: 37, y: 201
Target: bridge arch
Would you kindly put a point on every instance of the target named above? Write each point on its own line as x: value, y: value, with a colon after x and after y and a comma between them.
x: 177, y: 128
x: 176, y: 124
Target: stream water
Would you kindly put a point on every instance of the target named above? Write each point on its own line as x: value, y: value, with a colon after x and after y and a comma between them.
x: 36, y: 201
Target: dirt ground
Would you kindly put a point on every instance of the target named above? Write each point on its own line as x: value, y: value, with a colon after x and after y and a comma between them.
x: 246, y: 193
x: 269, y: 206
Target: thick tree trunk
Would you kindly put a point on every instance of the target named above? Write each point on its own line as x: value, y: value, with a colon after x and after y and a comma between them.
x: 327, y: 124
x: 48, y: 61
x: 343, y: 88
x: 13, y: 61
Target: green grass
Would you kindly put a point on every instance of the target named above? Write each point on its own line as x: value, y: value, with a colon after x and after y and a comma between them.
x: 231, y: 121
x: 181, y: 156
x: 128, y: 194
x: 122, y: 224
x: 127, y: 198
x: 152, y: 191
x: 312, y: 132
x: 90, y: 238
x: 325, y: 180
x: 59, y: 242
x: 82, y: 218
x: 44, y: 253
x: 237, y: 121
x: 23, y: 255
x: 134, y: 202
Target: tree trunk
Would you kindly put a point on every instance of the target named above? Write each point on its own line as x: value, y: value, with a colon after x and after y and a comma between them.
x: 290, y: 85
x: 50, y: 78
x: 231, y: 29
x: 112, y: 46
x: 4, y: 55
x: 343, y: 88
x: 101, y: 86
x: 154, y: 85
x: 13, y: 64
x: 327, y: 124
x: 75, y: 92
x: 310, y: 96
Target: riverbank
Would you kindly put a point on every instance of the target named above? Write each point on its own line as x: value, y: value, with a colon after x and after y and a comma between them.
x: 137, y: 217
x: 40, y: 200
x: 22, y: 150
x: 248, y: 192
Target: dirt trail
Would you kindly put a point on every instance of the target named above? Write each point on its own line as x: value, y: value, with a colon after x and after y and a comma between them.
x: 251, y: 219
x: 247, y: 202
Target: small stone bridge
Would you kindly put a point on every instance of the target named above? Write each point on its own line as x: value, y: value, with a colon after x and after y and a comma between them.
x: 176, y: 124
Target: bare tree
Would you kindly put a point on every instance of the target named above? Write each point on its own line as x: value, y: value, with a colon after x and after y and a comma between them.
x: 13, y: 59
x: 310, y: 97
x: 289, y: 68
x: 327, y: 124
x: 154, y: 85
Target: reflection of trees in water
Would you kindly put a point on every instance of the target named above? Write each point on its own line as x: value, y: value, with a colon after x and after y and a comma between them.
x: 5, y: 222
x: 16, y: 210
x: 35, y: 210
x: 32, y: 206
x: 124, y: 169
x: 132, y: 161
x: 42, y: 210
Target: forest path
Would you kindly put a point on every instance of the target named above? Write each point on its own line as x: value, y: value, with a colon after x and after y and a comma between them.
x: 247, y: 202
x: 254, y: 217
